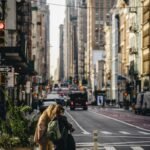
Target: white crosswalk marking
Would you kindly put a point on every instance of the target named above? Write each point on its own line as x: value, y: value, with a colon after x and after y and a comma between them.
x: 145, y: 133
x: 89, y: 146
x: 124, y: 132
x: 109, y: 148
x: 85, y: 144
x: 137, y: 148
x: 83, y: 149
x: 106, y: 132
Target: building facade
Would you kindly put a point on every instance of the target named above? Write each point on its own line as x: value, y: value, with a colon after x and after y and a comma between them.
x: 82, y: 40
x: 22, y: 33
x: 97, y: 15
x: 146, y: 44
x: 61, y: 52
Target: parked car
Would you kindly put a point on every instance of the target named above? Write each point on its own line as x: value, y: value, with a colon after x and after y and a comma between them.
x: 146, y: 103
x: 139, y: 103
x: 143, y: 103
x: 78, y: 99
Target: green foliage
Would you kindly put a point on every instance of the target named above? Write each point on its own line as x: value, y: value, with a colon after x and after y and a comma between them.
x: 17, y: 129
x: 7, y: 141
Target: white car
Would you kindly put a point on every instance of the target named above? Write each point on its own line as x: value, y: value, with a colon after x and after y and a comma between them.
x: 146, y: 103
x: 46, y: 103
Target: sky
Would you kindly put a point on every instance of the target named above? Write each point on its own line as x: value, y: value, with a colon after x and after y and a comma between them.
x: 57, y: 14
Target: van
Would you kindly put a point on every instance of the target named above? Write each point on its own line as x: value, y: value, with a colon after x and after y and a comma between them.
x: 78, y: 99
x: 139, y: 103
x: 146, y: 103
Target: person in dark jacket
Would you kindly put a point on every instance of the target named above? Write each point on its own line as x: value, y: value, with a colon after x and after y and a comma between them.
x: 65, y: 128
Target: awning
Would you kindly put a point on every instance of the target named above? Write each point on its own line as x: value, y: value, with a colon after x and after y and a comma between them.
x: 13, y: 53
x: 15, y: 57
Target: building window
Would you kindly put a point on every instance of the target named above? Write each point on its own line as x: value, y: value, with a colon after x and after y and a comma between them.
x: 146, y: 67
x: 146, y: 41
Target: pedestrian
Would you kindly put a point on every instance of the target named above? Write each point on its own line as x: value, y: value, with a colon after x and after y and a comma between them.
x: 65, y: 127
x: 40, y: 136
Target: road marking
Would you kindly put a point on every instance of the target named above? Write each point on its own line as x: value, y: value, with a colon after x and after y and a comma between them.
x: 145, y: 133
x: 124, y: 132
x: 78, y: 135
x: 83, y: 149
x: 84, y: 131
x: 89, y: 147
x: 119, y: 121
x: 137, y: 148
x: 109, y: 148
x: 106, y: 132
x: 120, y: 143
x: 85, y: 144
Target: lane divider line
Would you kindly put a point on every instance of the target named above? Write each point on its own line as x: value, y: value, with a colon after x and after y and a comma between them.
x: 83, y: 130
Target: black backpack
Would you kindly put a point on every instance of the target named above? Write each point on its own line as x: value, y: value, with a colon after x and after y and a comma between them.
x: 71, y: 145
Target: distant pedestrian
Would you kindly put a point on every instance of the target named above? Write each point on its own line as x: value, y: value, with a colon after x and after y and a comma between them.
x: 40, y: 136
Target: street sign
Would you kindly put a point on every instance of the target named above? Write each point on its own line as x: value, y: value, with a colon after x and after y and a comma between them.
x: 5, y: 69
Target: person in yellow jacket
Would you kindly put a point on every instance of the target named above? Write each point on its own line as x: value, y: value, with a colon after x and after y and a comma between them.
x: 40, y: 136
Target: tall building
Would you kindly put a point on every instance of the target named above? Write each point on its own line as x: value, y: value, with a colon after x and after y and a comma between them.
x: 108, y: 59
x: 82, y: 39
x: 97, y: 11
x: 115, y: 49
x: 61, y: 52
x: 70, y: 41
x: 146, y: 44
x: 47, y: 41
x: 40, y: 39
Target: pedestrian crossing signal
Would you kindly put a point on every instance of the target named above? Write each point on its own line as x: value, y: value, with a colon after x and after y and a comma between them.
x: 2, y: 34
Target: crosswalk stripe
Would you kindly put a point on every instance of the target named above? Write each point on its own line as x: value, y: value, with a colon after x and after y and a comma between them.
x: 89, y: 147
x: 124, y: 132
x: 82, y: 149
x: 84, y: 144
x: 106, y: 132
x: 145, y: 133
x: 109, y: 148
x: 137, y: 148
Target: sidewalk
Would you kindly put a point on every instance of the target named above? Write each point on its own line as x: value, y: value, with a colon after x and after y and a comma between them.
x: 124, y: 115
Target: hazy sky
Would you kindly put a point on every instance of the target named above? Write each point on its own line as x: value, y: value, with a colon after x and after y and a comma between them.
x: 57, y: 14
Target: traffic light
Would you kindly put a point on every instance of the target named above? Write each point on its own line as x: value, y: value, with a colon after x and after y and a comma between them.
x: 2, y: 33
x: 2, y: 25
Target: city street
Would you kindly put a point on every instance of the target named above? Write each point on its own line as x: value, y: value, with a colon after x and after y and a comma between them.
x: 91, y: 57
x: 116, y: 129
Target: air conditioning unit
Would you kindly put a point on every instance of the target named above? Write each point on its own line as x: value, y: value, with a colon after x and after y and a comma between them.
x: 133, y: 50
x: 132, y: 9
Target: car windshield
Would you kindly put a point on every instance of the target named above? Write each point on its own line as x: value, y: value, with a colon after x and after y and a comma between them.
x: 78, y: 96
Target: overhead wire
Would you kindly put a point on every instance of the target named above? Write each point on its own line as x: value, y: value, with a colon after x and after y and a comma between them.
x: 72, y: 6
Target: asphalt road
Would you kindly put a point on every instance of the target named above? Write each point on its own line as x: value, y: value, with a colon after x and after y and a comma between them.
x: 112, y: 133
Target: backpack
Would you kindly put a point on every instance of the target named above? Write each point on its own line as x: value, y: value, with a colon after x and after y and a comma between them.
x: 53, y: 130
x: 71, y: 145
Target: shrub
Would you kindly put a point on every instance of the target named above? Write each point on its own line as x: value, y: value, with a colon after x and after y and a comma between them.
x: 17, y: 129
